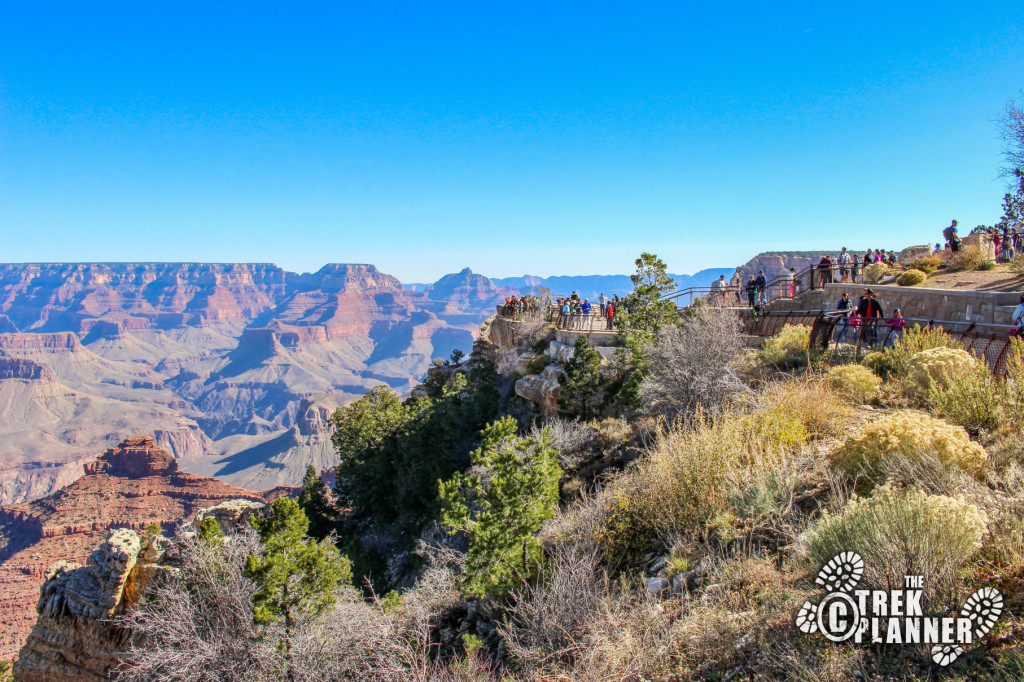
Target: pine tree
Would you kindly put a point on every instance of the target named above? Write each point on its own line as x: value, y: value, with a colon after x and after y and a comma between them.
x: 639, y: 318
x: 503, y: 509
x: 316, y: 503
x: 581, y: 383
x: 295, y: 577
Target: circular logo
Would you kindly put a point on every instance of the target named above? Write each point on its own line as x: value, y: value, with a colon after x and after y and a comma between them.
x: 838, y: 616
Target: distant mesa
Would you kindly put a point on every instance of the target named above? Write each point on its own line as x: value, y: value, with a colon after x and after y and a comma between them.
x: 136, y: 457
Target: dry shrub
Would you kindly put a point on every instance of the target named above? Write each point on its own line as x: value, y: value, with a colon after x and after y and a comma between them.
x: 691, y: 365
x: 1015, y: 379
x: 927, y: 265
x: 915, y: 340
x: 973, y: 398
x: 856, y: 382
x: 532, y: 330
x: 911, y: 278
x: 788, y: 348
x: 908, y: 434
x: 1016, y: 265
x: 938, y: 367
x: 744, y: 464
x: 874, y: 273
x: 903, y: 531
x: 968, y: 258
x: 575, y: 440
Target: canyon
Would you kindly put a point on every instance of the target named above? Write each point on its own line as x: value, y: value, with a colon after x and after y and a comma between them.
x: 234, y: 368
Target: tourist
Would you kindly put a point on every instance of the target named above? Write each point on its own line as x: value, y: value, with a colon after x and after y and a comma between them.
x: 870, y: 309
x: 610, y: 313
x: 1017, y: 318
x: 736, y: 284
x: 789, y: 282
x: 897, y: 325
x: 603, y: 300
x: 718, y: 289
x: 952, y: 237
x: 566, y: 316
x: 854, y: 270
x: 825, y: 271
x: 752, y: 291
x: 878, y: 255
x: 844, y: 305
x: 868, y: 260
x: 937, y: 251
x: 844, y: 265
x: 762, y: 288
x: 891, y: 260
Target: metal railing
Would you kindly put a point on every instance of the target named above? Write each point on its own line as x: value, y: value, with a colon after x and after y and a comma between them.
x: 811, y: 278
x: 990, y: 342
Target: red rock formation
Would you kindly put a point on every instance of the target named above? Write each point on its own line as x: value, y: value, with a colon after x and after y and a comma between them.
x: 130, y: 486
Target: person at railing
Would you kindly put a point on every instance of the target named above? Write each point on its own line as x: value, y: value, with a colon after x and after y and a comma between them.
x: 1017, y: 319
x: 870, y: 309
x: 609, y: 314
x: 586, y: 308
x: 603, y: 300
x: 762, y: 288
x: 854, y: 269
x: 736, y: 284
x: 825, y: 271
x: 786, y: 284
x: 843, y: 261
x: 752, y: 291
x: 845, y: 305
x: 718, y: 289
x: 891, y: 258
x: 897, y: 325
x: 868, y: 259
x: 566, y: 315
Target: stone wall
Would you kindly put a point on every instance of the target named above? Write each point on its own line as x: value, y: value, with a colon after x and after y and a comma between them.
x: 982, y: 307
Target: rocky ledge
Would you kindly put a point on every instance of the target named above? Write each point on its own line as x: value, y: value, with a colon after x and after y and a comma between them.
x: 76, y: 635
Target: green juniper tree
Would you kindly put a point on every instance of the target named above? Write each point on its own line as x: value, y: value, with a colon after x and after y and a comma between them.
x: 295, y: 577
x: 502, y: 508
x: 316, y: 503
x: 581, y: 382
x: 639, y: 318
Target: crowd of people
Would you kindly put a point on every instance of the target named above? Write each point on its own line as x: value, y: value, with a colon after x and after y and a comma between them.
x: 574, y: 313
x: 865, y: 319
x: 1008, y: 241
x: 842, y: 268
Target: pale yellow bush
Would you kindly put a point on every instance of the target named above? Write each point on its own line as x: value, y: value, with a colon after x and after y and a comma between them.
x: 874, y: 273
x: 911, y: 278
x: 903, y: 531
x: 856, y: 382
x: 788, y: 348
x: 937, y: 367
x: 909, y: 434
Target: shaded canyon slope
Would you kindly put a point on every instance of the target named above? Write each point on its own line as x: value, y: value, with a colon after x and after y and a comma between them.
x: 233, y: 367
x: 130, y: 486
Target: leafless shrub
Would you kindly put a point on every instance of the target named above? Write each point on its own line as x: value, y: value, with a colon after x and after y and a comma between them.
x: 692, y: 365
x: 198, y: 624
x: 547, y: 622
x: 531, y: 329
x: 574, y: 440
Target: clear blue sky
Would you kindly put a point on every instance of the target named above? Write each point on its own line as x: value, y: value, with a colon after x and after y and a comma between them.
x: 512, y: 137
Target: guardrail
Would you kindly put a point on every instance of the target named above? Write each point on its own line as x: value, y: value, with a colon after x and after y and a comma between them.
x: 810, y: 278
x: 990, y: 342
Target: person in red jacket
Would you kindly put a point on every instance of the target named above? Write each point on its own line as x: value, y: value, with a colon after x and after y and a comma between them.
x: 610, y: 314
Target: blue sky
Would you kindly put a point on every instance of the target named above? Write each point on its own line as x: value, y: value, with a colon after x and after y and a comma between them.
x: 541, y: 137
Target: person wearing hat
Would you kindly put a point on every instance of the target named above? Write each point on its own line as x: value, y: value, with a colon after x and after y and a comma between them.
x: 870, y: 309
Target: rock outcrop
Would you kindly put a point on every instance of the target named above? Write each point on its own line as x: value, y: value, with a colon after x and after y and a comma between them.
x: 76, y: 635
x: 127, y: 487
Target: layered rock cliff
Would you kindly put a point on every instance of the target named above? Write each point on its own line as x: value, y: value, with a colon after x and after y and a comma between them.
x: 128, y: 487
